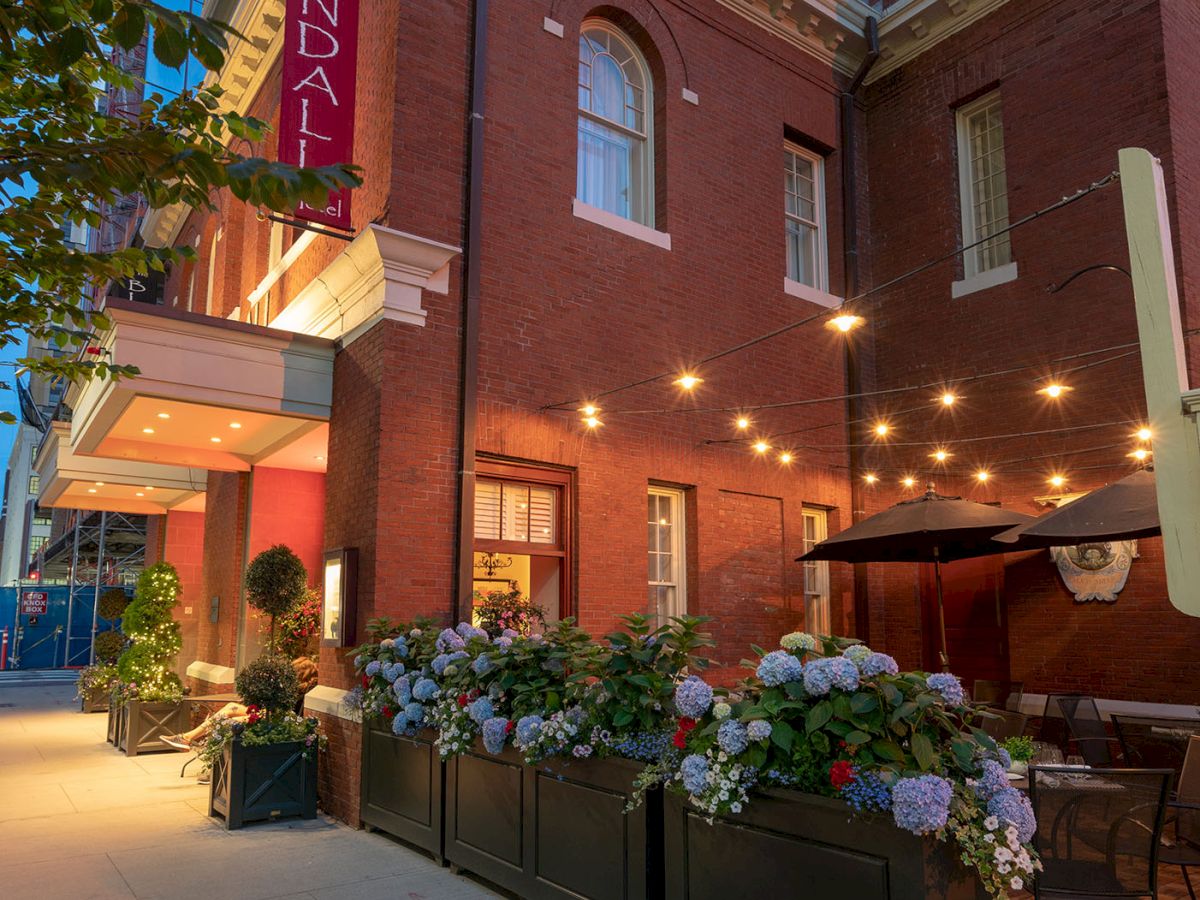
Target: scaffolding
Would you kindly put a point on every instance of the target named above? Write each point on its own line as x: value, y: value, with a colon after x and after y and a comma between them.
x: 97, y: 550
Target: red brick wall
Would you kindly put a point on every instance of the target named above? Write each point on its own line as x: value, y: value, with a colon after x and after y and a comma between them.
x: 182, y: 544
x: 224, y: 559
x: 1069, y: 105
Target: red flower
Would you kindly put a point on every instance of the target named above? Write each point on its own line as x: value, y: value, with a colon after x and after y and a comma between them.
x: 366, y: 681
x: 463, y: 699
x: 509, y: 726
x: 841, y: 743
x: 686, y: 724
x: 841, y: 773
x: 387, y: 711
x: 680, y: 739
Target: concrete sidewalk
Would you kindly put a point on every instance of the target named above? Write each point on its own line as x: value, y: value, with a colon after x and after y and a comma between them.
x: 79, y: 820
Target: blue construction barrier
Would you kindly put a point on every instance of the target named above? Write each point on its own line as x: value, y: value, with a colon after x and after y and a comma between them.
x: 37, y: 618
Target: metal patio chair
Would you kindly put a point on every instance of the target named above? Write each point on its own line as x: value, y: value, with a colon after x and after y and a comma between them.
x: 1155, y: 741
x: 1087, y: 728
x: 1099, y: 830
x: 1181, y: 840
x: 1001, y: 724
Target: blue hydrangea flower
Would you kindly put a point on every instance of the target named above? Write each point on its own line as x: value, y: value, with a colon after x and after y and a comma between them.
x: 1004, y: 757
x: 449, y: 640
x: 647, y: 746
x: 693, y: 697
x: 821, y: 675
x: 992, y: 780
x: 875, y: 664
x: 779, y: 667
x: 867, y: 793
x: 481, y: 710
x: 401, y: 648
x: 399, y: 723
x: 392, y: 671
x: 373, y: 668
x: 758, y: 730
x: 415, y: 713
x: 528, y: 729
x: 798, y: 640
x: 921, y: 805
x: 503, y: 642
x: 424, y: 690
x: 694, y: 772
x: 402, y: 689
x: 856, y: 653
x: 443, y: 660
x: 482, y: 664
x: 358, y: 661
x: 732, y: 736
x: 467, y: 631
x: 1011, y: 806
x: 495, y: 733
x: 948, y: 686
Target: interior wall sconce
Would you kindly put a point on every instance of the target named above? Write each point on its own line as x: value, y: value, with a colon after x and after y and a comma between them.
x: 340, y: 614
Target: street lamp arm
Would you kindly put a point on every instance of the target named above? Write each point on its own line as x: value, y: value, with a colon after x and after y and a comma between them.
x: 1054, y: 289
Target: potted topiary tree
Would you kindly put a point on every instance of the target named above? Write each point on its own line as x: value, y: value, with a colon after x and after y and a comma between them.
x: 276, y: 583
x: 96, y: 681
x: 153, y: 694
x: 264, y: 764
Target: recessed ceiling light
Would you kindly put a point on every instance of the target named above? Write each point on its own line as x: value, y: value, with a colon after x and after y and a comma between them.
x: 99, y: 484
x: 147, y: 431
x: 215, y: 440
x: 235, y: 424
x: 164, y: 415
x: 141, y: 494
x: 319, y: 458
x: 91, y: 490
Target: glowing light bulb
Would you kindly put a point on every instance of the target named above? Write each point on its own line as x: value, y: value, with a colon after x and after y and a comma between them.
x: 147, y: 431
x: 592, y: 422
x: 687, y: 381
x: 1057, y: 481
x: 1054, y: 390
x: 235, y: 424
x: 948, y: 399
x: 785, y: 457
x: 870, y: 478
x: 1140, y: 454
x: 215, y: 440
x: 882, y: 429
x: 982, y: 475
x: 589, y: 410
x: 164, y: 415
x: 742, y: 423
x: 845, y: 323
x: 1144, y: 434
x: 908, y: 481
x: 761, y: 446
x: 940, y: 455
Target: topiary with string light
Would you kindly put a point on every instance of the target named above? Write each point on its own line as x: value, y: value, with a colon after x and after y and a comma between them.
x: 147, y: 666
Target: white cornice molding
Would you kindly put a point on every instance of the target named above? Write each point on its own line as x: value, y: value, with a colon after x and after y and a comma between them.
x: 833, y: 31
x: 332, y: 702
x: 380, y: 275
x: 247, y: 63
x: 210, y: 672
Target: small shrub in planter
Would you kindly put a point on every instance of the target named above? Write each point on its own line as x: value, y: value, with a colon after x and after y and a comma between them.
x: 264, y: 765
x: 112, y: 604
x: 108, y: 645
x: 93, y: 686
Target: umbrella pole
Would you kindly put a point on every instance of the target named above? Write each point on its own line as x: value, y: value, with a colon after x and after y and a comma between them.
x: 937, y: 577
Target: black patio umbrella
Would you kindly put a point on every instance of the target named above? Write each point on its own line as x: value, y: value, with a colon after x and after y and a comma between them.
x: 1124, y: 510
x: 930, y: 528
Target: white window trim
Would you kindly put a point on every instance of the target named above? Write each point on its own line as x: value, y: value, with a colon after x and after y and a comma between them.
x: 648, y: 178
x: 678, y: 544
x: 966, y: 197
x: 620, y: 224
x: 821, y: 515
x: 984, y: 280
x: 818, y: 162
x: 802, y: 291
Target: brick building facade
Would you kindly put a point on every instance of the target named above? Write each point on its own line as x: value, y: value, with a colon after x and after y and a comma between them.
x: 575, y: 300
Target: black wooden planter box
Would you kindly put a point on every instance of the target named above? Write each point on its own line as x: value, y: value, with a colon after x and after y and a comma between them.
x: 256, y: 784
x: 806, y: 846
x: 556, y: 830
x: 144, y: 723
x: 116, y: 721
x: 403, y: 786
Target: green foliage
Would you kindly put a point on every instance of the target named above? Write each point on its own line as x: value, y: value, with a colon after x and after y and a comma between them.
x: 632, y: 680
x: 299, y: 629
x: 278, y: 730
x: 147, y: 664
x: 269, y: 683
x: 496, y: 611
x: 59, y: 155
x: 95, y: 680
x: 112, y: 604
x: 1020, y: 749
x: 108, y: 645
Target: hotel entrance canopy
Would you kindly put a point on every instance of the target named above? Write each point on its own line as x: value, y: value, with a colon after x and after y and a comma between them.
x: 211, y: 394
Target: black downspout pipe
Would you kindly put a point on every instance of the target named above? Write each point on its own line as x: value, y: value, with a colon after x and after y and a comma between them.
x: 862, y: 621
x: 469, y: 389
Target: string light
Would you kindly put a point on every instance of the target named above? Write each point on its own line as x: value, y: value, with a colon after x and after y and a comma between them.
x: 870, y: 478
x: 687, y: 381
x: 948, y: 399
x: 1141, y: 454
x: 908, y: 481
x: 589, y: 409
x: 1057, y: 480
x: 785, y: 457
x: 592, y: 422
x: 982, y: 475
x: 881, y: 429
x: 1143, y: 434
x: 845, y: 322
x: 940, y: 455
x: 742, y: 423
x: 1054, y: 390
x: 761, y: 446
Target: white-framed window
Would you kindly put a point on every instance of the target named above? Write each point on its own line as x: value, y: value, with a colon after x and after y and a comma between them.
x: 515, y: 511
x: 983, y: 185
x: 804, y: 216
x: 667, y: 553
x: 816, y: 575
x: 615, y: 157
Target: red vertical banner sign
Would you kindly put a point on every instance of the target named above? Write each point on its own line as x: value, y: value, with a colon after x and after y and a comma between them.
x: 316, y: 104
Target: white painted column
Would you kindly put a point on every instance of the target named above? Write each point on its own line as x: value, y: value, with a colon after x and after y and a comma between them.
x: 1164, y: 373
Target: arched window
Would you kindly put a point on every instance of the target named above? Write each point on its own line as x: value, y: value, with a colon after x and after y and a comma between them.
x: 615, y: 161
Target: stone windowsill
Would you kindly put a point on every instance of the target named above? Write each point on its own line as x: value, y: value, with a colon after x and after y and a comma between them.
x: 620, y: 224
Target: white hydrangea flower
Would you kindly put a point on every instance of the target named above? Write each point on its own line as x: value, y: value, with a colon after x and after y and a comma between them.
x: 991, y: 823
